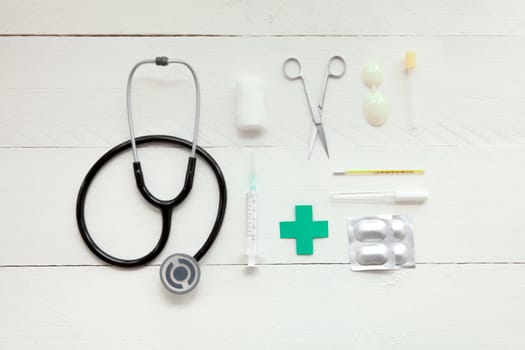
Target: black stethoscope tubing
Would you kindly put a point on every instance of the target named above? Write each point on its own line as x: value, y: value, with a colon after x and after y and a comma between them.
x: 165, y: 206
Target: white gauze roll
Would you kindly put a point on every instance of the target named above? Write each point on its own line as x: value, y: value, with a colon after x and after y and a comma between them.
x: 250, y: 105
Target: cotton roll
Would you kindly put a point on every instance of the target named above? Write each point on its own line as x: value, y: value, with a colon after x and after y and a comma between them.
x: 250, y: 105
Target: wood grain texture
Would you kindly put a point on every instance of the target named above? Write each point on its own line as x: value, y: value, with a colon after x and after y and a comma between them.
x: 460, y: 223
x: 271, y: 17
x: 74, y: 94
x: 62, y: 105
x: 430, y: 307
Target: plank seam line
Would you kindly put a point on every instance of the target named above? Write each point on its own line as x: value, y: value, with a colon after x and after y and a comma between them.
x: 269, y: 264
x: 106, y: 147
x: 516, y: 145
x: 318, y: 35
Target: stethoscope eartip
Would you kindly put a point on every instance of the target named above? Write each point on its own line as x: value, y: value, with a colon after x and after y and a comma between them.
x: 180, y: 273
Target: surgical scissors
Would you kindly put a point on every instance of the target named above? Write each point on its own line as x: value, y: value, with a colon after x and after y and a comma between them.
x: 317, y: 129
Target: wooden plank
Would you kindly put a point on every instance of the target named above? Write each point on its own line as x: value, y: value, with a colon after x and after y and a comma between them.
x: 74, y: 93
x: 62, y: 105
x: 273, y: 17
x: 464, y: 220
x: 431, y: 307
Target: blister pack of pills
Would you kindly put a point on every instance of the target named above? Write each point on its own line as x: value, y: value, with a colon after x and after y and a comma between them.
x: 383, y: 242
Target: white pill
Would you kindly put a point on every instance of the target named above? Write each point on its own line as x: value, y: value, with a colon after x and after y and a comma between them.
x: 370, y: 230
x: 399, y: 227
x: 372, y: 75
x: 376, y: 254
x: 375, y: 108
x: 401, y: 253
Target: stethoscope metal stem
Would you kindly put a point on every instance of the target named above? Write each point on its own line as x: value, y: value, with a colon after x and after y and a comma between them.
x: 162, y: 61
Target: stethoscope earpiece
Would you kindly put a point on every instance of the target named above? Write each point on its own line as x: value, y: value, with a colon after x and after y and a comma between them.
x: 180, y: 273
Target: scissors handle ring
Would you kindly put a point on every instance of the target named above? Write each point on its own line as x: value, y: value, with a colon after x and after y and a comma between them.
x: 332, y: 67
x: 286, y: 71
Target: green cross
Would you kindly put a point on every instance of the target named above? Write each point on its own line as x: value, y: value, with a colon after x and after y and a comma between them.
x: 304, y: 229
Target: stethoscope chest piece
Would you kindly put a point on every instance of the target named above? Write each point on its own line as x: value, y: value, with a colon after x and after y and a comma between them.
x: 180, y: 273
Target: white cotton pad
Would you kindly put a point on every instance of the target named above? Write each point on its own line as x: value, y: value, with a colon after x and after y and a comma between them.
x: 250, y: 105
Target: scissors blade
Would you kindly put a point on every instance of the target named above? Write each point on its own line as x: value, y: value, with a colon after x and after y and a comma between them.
x: 313, y: 138
x: 322, y: 136
x: 314, y: 133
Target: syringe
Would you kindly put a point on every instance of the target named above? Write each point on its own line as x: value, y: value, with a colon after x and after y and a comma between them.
x: 251, y: 218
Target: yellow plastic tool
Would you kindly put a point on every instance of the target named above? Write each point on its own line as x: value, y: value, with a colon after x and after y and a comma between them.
x: 410, y: 60
x: 410, y: 66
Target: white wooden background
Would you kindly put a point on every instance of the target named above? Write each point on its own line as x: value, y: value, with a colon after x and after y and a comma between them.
x: 63, y: 69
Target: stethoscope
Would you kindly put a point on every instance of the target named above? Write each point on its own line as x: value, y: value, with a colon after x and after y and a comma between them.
x: 179, y: 273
